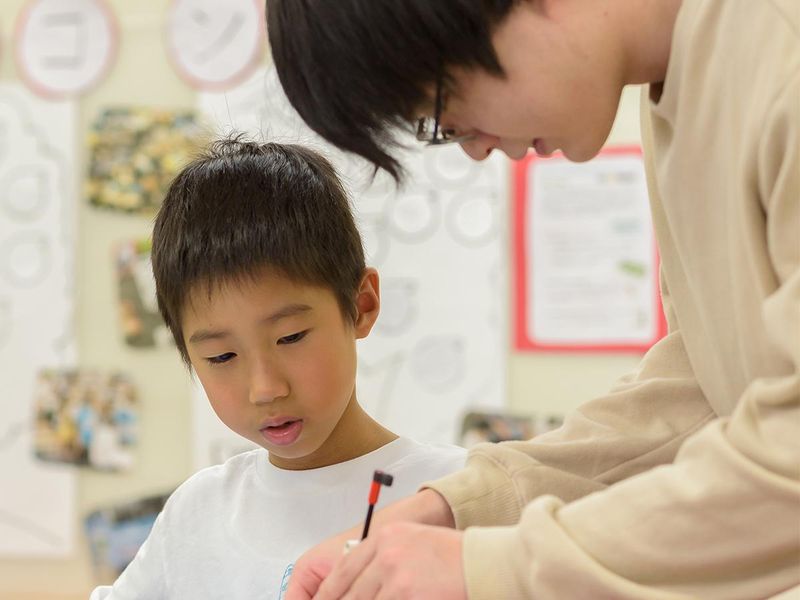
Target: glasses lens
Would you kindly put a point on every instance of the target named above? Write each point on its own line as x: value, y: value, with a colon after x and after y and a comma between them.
x: 426, y: 127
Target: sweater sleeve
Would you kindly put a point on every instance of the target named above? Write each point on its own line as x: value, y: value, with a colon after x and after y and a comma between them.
x: 721, y: 520
x: 641, y: 423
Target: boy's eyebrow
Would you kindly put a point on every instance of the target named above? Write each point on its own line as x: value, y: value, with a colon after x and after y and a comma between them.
x: 287, y: 311
x: 204, y: 335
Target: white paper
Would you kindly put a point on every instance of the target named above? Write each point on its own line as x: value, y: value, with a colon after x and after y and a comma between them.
x: 592, y: 257
x: 439, y: 345
x: 65, y: 46
x: 37, y: 217
x: 214, y: 43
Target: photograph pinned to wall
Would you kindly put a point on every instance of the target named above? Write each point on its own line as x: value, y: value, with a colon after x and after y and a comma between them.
x: 135, y: 152
x: 116, y: 533
x: 585, y: 256
x: 141, y: 323
x: 479, y: 427
x: 215, y: 45
x: 85, y: 418
x: 65, y: 47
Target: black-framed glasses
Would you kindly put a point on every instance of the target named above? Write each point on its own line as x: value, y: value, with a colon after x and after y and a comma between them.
x: 430, y: 131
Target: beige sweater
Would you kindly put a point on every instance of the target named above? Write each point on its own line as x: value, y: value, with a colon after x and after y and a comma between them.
x: 683, y: 481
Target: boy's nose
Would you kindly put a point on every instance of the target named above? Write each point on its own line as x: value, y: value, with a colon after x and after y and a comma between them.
x: 267, y: 385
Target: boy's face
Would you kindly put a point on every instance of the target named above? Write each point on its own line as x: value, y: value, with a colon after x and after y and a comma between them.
x: 562, y: 85
x: 277, y: 360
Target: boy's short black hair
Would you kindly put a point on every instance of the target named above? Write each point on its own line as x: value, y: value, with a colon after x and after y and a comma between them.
x: 355, y: 70
x: 244, y: 206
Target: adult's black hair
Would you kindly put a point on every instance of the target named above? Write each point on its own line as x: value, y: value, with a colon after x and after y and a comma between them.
x: 356, y: 70
x: 242, y: 207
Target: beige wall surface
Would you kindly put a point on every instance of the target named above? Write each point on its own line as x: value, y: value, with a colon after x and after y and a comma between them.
x: 142, y: 76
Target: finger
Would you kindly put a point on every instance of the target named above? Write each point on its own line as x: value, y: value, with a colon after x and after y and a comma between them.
x: 305, y: 580
x: 345, y: 572
x: 301, y: 588
x: 367, y: 585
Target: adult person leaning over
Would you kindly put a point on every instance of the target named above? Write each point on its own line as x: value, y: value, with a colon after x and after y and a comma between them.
x: 682, y: 481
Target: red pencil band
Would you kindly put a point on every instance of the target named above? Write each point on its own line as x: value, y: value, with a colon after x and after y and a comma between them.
x: 379, y: 478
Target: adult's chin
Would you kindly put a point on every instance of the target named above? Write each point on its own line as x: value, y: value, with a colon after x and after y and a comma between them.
x: 581, y: 152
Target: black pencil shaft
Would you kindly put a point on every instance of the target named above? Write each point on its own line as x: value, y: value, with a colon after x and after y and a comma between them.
x: 366, y: 523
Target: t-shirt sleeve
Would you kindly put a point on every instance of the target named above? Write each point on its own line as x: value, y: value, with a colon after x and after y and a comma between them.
x: 101, y: 593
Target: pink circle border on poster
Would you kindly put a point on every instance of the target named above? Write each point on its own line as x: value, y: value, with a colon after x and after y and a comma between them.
x: 235, y: 79
x: 50, y: 93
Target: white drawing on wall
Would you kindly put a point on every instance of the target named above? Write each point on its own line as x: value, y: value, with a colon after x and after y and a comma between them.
x: 381, y: 377
x: 438, y: 362
x: 437, y: 243
x: 5, y: 320
x: 270, y: 103
x: 374, y: 237
x: 37, y: 216
x: 65, y: 46
x: 25, y: 259
x: 399, y: 306
x: 448, y: 170
x: 215, y: 44
x: 415, y: 216
x: 27, y: 190
x: 495, y: 280
x: 474, y: 220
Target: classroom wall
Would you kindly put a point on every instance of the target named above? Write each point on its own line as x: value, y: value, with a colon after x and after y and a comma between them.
x: 141, y: 75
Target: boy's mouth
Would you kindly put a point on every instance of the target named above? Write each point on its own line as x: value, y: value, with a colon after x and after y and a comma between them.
x: 282, y: 431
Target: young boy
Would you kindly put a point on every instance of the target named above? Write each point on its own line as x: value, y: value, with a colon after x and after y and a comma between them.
x: 260, y: 277
x: 683, y: 481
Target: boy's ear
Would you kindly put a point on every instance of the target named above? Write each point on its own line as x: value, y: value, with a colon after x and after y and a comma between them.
x: 368, y: 302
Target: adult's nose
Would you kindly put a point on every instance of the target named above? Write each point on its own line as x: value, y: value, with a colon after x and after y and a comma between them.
x: 480, y: 145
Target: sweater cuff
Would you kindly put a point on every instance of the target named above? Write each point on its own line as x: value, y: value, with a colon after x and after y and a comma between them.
x: 490, y: 571
x: 478, y: 495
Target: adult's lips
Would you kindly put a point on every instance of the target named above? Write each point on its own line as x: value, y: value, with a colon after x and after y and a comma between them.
x: 540, y: 147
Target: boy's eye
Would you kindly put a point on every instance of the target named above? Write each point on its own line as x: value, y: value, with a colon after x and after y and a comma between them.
x: 293, y: 339
x: 220, y: 359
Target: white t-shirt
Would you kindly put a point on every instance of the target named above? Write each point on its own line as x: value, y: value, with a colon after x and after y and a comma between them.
x: 230, y: 531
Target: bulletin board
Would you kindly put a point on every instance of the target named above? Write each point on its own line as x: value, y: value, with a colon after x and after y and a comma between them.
x: 585, y: 256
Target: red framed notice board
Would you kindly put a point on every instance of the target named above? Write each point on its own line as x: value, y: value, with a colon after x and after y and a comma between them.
x: 585, y: 256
